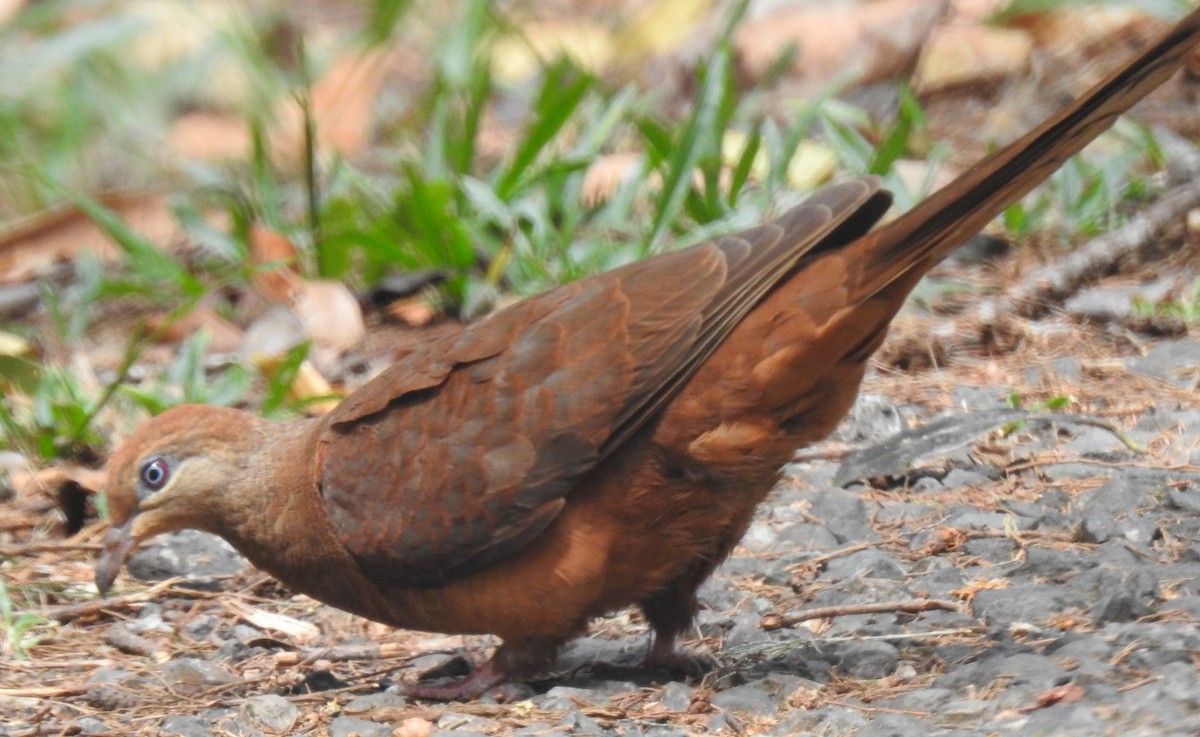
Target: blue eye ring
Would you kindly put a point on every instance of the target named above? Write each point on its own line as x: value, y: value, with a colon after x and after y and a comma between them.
x: 155, y: 473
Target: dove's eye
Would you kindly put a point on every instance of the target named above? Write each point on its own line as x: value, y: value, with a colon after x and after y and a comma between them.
x: 155, y: 473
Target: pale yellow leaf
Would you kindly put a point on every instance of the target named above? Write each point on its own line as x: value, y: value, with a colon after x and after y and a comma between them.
x: 812, y: 165
x: 960, y: 55
x: 663, y: 26
x: 298, y: 630
x: 733, y: 145
x: 174, y: 31
x: 517, y: 57
x: 14, y: 345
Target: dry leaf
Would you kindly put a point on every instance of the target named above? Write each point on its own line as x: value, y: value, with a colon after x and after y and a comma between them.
x: 272, y: 334
x: 1068, y: 693
x: 209, y: 136
x: 959, y: 55
x: 275, y: 256
x: 32, y: 245
x: 663, y: 26
x: 310, y: 383
x: 812, y: 165
x: 330, y: 313
x: 967, y: 593
x: 944, y: 540
x: 298, y: 630
x: 25, y: 481
x: 14, y: 345
x: 733, y: 145
x: 818, y: 626
x: 993, y: 373
x: 173, y: 31
x: 978, y: 11
x: 342, y: 103
x: 307, y: 384
x: 870, y: 42
x: 518, y: 57
x: 414, y: 727
x: 1068, y: 622
x: 413, y: 311
x: 224, y: 336
x: 1073, y: 30
x: 606, y: 174
x: 9, y: 9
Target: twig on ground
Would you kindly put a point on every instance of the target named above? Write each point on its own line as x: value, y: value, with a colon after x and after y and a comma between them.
x: 66, y: 612
x: 1051, y: 284
x: 774, y: 622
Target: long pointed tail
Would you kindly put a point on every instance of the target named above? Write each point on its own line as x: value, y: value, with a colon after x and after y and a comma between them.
x: 963, y: 207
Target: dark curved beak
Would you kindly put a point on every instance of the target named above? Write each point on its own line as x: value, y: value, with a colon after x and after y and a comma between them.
x: 117, y: 545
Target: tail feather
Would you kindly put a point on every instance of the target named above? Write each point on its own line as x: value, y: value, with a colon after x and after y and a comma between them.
x: 924, y: 235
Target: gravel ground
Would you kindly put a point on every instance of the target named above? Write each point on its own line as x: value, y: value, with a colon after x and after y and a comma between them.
x: 1043, y: 581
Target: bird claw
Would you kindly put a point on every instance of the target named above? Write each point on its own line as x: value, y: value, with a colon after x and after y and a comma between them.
x: 484, y: 679
x: 678, y: 661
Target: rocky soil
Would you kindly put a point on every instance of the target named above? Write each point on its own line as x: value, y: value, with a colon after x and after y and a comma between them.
x: 1042, y: 578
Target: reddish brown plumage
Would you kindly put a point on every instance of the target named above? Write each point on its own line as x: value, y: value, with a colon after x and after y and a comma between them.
x: 600, y: 445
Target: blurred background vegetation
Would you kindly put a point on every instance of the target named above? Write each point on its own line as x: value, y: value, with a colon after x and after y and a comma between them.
x: 224, y: 201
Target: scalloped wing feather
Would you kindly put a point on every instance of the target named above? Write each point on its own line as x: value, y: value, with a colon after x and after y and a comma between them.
x: 464, y: 452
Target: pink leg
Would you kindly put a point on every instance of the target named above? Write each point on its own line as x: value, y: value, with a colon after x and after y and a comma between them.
x: 468, y: 688
x: 512, y: 661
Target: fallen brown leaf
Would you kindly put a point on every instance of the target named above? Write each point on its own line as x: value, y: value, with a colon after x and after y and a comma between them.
x: 9, y: 9
x: 327, y: 310
x: 47, y: 480
x: 957, y: 55
x: 1067, y: 693
x: 606, y: 174
x: 1070, y: 30
x: 413, y: 311
x: 967, y: 593
x: 518, y: 57
x: 275, y: 257
x: 35, y: 243
x: 872, y: 41
x: 944, y: 540
x: 413, y: 727
x: 210, y: 136
x: 330, y: 313
x: 342, y: 103
x: 224, y: 336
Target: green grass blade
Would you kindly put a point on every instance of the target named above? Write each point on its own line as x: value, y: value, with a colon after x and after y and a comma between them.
x: 688, y: 147
x: 144, y: 259
x: 563, y: 89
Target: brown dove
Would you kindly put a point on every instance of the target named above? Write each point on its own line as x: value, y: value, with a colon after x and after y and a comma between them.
x: 600, y: 445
